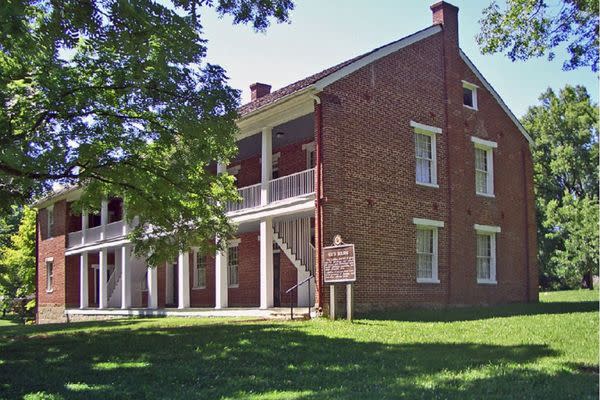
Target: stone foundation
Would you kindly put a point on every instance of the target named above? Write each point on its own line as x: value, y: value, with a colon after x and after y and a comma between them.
x: 51, y: 314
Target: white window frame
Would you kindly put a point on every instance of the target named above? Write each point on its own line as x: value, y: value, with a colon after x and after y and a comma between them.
x: 49, y: 274
x: 310, y: 150
x: 488, y: 147
x: 196, y: 258
x: 233, y: 244
x: 50, y: 221
x: 491, y: 231
x: 433, y: 226
x: 473, y: 88
x: 432, y: 132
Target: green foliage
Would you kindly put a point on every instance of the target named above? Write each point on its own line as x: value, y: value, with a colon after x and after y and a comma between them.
x: 116, y: 96
x: 9, y: 223
x: 547, y: 350
x: 17, y: 264
x: 565, y: 130
x: 532, y: 28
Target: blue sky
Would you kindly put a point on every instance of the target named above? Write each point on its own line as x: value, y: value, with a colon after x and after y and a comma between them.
x: 324, y: 33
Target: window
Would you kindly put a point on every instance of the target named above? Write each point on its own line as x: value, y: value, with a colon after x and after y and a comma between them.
x: 427, y: 250
x: 425, y: 154
x: 275, y: 166
x: 50, y: 214
x: 233, y: 266
x: 144, y: 285
x: 486, y: 253
x: 311, y: 159
x: 199, y: 270
x: 484, y: 166
x: 49, y: 274
x: 469, y: 95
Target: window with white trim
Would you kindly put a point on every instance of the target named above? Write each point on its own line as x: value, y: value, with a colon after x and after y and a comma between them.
x: 425, y: 154
x: 49, y: 274
x: 486, y: 253
x: 484, y: 166
x: 144, y: 285
x: 469, y: 95
x: 199, y: 270
x: 233, y: 266
x: 427, y: 250
x: 311, y: 160
x: 50, y: 220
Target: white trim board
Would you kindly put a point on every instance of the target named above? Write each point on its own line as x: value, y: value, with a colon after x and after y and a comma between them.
x: 484, y: 143
x: 487, y: 228
x: 496, y: 96
x: 428, y: 222
x: 427, y: 128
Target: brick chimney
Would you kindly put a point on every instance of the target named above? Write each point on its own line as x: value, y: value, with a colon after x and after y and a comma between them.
x: 258, y: 90
x: 446, y: 14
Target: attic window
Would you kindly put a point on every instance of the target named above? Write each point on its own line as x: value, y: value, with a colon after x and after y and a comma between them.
x: 469, y: 95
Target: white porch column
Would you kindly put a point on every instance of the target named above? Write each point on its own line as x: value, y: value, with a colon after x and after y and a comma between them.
x: 84, y: 225
x: 103, y: 218
x: 153, y: 287
x: 183, y: 275
x: 266, y: 164
x: 83, y: 281
x: 103, y: 300
x: 125, y: 277
x: 266, y: 263
x: 221, y: 286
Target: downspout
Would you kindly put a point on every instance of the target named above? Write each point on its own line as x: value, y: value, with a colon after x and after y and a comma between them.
x: 37, y: 264
x: 318, y: 198
x: 527, y: 266
x: 448, y: 169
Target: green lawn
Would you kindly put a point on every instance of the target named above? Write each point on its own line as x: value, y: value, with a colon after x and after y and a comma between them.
x: 546, y: 351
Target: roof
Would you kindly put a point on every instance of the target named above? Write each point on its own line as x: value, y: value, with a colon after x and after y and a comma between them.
x: 55, y: 195
x: 349, y: 64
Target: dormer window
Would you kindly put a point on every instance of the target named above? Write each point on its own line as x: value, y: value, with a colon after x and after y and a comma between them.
x: 469, y: 95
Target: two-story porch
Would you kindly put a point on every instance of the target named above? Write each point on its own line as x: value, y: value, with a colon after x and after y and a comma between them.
x: 273, y: 249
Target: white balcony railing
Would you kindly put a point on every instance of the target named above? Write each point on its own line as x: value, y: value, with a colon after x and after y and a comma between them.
x: 286, y: 187
x: 250, y: 198
x: 293, y: 185
x: 113, y: 230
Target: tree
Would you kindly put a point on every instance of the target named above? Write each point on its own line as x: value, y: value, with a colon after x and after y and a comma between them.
x: 532, y: 28
x: 115, y: 96
x: 565, y: 130
x: 17, y: 261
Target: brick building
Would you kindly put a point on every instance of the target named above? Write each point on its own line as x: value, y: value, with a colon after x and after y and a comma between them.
x: 406, y: 151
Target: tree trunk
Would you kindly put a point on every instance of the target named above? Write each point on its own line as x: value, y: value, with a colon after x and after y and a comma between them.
x: 588, y: 278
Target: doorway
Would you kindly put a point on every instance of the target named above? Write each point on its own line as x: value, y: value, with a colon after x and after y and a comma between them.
x: 171, y: 283
x: 276, y: 278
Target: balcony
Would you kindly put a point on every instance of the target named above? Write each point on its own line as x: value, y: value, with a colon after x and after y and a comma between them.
x: 112, y: 231
x: 295, y: 185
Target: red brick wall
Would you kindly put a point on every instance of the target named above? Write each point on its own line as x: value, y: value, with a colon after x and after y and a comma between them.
x: 72, y: 281
x: 248, y: 292
x: 52, y: 247
x: 291, y: 160
x: 203, y: 297
x: 371, y: 195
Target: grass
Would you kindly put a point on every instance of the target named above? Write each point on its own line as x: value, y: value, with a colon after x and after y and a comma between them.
x: 527, y: 351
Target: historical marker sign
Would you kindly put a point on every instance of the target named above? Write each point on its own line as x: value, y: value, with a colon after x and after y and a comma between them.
x: 339, y: 264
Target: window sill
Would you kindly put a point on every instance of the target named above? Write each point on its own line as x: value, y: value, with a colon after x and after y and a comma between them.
x: 470, y: 108
x: 486, y: 282
x: 50, y: 291
x: 425, y: 280
x: 200, y: 287
x: 431, y: 185
x: 488, y: 195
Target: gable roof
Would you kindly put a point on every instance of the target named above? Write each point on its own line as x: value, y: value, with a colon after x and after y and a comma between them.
x: 332, y: 74
x: 496, y: 96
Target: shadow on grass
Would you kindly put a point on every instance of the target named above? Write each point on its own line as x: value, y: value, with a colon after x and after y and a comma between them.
x: 477, y: 313
x: 250, y: 359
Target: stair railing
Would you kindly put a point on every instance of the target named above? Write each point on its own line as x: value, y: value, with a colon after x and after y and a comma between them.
x: 297, y: 286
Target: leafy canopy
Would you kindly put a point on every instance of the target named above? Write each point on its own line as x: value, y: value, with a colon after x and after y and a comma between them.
x: 531, y: 28
x: 115, y: 96
x: 17, y: 260
x: 565, y: 130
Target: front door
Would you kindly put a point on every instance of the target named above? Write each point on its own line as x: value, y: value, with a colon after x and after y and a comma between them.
x: 276, y: 279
